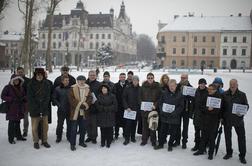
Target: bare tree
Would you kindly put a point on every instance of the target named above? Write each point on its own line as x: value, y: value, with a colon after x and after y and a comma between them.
x: 145, y: 48
x: 27, y: 8
x: 3, y: 5
x: 51, y: 9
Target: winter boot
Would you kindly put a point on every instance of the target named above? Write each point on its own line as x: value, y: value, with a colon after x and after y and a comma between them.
x: 227, y: 156
x: 196, y: 147
x: 36, y: 145
x: 243, y: 160
x: 72, y: 147
x: 199, y: 152
x: 83, y: 145
x: 158, y: 147
x: 45, y: 144
x: 169, y: 148
x: 126, y: 142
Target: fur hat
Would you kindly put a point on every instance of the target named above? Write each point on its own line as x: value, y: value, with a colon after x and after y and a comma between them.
x: 15, y: 77
x: 39, y: 71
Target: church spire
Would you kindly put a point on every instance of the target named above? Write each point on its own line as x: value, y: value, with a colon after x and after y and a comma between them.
x: 122, y: 11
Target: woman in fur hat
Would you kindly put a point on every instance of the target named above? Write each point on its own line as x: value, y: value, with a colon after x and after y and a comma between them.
x: 14, y: 95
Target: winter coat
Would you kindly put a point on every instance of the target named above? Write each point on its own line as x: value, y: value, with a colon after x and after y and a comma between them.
x: 106, y: 106
x: 57, y: 81
x: 38, y: 95
x: 171, y: 98
x: 210, y: 119
x: 131, y: 98
x: 16, y: 100
x: 94, y: 88
x: 75, y: 101
x: 150, y: 93
x: 238, y: 97
x: 50, y: 103
x: 60, y: 98
x: 188, y: 101
x: 118, y: 91
x: 199, y: 105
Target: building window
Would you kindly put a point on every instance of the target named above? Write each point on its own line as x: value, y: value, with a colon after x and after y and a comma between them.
x: 195, y: 39
x: 183, y: 51
x: 97, y: 36
x: 243, y: 52
x: 204, y: 39
x: 162, y: 39
x: 43, y: 36
x: 225, y: 39
x: 194, y: 63
x: 67, y: 44
x: 174, y: 38
x: 244, y: 39
x: 182, y: 63
x: 174, y: 50
x: 162, y: 49
x: 109, y: 36
x: 224, y: 51
x: 213, y: 39
x: 109, y: 44
x: 59, y: 44
x: 195, y: 51
x: 91, y: 45
x: 224, y: 64
x: 96, y: 45
x: 183, y: 39
x: 234, y: 39
x: 103, y: 36
x: 43, y: 45
x: 54, y: 36
x: 203, y: 51
x: 54, y: 45
x: 212, y: 51
x: 59, y: 36
x: 74, y: 44
x: 91, y: 36
x: 233, y: 51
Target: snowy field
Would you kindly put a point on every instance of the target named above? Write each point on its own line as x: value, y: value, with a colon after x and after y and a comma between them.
x: 23, y: 153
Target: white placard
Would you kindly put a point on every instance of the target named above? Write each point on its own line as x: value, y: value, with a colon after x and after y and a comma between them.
x: 239, y: 109
x: 189, y: 91
x: 94, y: 98
x: 146, y: 106
x: 129, y: 115
x: 168, y: 108
x: 213, y: 102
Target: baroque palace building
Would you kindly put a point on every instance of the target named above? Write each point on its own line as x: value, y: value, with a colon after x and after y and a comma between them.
x: 80, y: 34
x: 209, y: 41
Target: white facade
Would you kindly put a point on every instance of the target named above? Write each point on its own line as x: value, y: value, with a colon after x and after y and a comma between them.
x: 235, y: 49
x: 96, y: 30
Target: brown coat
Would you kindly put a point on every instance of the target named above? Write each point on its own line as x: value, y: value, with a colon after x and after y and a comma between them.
x: 75, y: 101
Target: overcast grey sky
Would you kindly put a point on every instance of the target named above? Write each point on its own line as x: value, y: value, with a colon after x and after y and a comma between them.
x: 144, y: 14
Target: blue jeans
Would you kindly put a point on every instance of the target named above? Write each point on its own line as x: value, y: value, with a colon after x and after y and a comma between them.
x: 82, y: 128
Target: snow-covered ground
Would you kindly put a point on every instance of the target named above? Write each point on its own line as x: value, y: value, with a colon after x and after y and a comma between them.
x: 23, y: 153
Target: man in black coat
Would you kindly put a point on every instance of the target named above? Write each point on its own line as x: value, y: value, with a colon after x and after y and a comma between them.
x: 131, y: 102
x: 234, y: 96
x: 20, y: 72
x: 118, y: 90
x: 170, y: 118
x: 60, y: 99
x: 64, y: 71
x: 199, y: 107
x: 91, y: 117
x: 187, y: 112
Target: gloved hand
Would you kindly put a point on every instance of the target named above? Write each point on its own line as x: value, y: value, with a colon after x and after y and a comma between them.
x: 83, y: 107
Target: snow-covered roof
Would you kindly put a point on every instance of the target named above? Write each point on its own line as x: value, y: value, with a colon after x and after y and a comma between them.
x: 10, y: 37
x: 209, y: 23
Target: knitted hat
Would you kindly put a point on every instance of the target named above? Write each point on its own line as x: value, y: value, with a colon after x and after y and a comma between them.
x: 81, y: 77
x: 202, y: 81
x: 106, y: 73
x: 218, y: 80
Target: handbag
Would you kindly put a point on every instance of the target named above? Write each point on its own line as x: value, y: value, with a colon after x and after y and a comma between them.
x: 4, y: 107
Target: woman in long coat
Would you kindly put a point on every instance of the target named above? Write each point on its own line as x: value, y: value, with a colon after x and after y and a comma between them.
x: 106, y: 105
x: 14, y: 95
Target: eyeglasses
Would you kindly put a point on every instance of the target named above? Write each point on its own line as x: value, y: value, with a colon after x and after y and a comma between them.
x: 150, y: 78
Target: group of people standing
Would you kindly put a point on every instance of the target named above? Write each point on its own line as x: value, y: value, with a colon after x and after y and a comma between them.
x: 159, y: 110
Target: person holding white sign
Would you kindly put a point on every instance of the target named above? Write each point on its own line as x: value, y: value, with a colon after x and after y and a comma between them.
x: 170, y: 108
x: 210, y: 122
x: 131, y: 103
x: 233, y: 117
x: 149, y: 93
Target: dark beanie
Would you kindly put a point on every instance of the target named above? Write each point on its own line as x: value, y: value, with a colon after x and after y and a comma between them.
x: 81, y: 77
x: 106, y: 73
x: 202, y: 81
x: 130, y: 72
